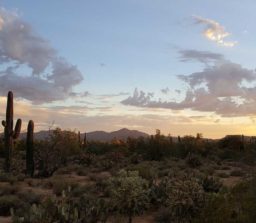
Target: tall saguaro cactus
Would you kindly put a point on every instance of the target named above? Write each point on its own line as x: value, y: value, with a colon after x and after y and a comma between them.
x: 85, y: 141
x: 9, y: 134
x: 30, y: 149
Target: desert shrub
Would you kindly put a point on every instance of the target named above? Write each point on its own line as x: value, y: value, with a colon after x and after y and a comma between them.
x: 158, y: 147
x: 128, y: 193
x: 224, y: 168
x: 223, y: 175
x: 8, y: 202
x: 163, y: 215
x: 29, y: 197
x: 209, y: 170
x: 236, y: 205
x: 87, y: 209
x: 183, y: 197
x: 237, y: 173
x: 8, y: 189
x: 54, y: 152
x: 80, y: 190
x: 211, y: 184
x: 232, y: 142
x: 82, y: 172
x: 59, y: 185
x: 193, y: 161
x: 86, y: 159
x: 146, y: 171
x: 7, y: 177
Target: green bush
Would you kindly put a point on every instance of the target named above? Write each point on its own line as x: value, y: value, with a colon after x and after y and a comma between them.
x: 235, y: 206
x: 128, y: 193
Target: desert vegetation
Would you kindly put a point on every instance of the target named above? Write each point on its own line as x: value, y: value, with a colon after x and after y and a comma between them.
x: 64, y: 178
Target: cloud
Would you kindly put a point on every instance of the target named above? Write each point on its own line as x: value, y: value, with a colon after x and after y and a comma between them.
x: 48, y: 77
x: 225, y: 88
x: 165, y: 90
x: 204, y: 57
x: 214, y: 31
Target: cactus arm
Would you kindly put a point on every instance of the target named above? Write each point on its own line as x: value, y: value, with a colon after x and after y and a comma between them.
x: 17, y: 129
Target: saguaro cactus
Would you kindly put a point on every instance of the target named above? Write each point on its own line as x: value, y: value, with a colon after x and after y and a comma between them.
x: 9, y: 134
x: 85, y: 140
x: 79, y: 139
x: 30, y: 149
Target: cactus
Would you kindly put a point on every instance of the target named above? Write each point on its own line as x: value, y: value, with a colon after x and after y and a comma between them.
x: 85, y: 141
x: 30, y: 149
x: 9, y: 134
x: 79, y: 139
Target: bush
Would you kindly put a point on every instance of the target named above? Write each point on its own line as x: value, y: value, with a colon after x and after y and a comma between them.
x: 8, y: 189
x: 54, y: 152
x: 183, y: 197
x: 237, y: 173
x: 163, y: 215
x: 6, y: 177
x: 29, y: 197
x: 223, y: 175
x: 128, y: 193
x: 211, y: 184
x: 237, y: 205
x: 60, y: 185
x: 7, y: 202
x: 193, y: 161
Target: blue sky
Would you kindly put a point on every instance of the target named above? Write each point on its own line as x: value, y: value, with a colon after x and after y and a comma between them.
x: 118, y: 46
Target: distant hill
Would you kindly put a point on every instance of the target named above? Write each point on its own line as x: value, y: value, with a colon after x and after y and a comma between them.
x: 103, y: 136
x: 120, y: 134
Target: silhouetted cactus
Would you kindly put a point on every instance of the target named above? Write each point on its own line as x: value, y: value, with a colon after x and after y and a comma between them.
x: 9, y: 134
x: 30, y: 149
x: 85, y: 140
x: 79, y: 139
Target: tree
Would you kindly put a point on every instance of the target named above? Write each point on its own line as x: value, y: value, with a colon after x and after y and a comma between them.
x: 55, y: 151
x: 128, y: 193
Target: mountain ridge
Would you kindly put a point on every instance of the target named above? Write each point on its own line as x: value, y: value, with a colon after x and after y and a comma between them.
x: 98, y: 135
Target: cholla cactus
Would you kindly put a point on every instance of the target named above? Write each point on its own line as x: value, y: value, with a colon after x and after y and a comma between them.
x: 10, y: 134
x: 184, y: 198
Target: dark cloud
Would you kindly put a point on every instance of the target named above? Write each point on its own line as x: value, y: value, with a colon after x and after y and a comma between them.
x: 200, y: 56
x: 165, y: 90
x: 51, y: 77
x: 226, y: 88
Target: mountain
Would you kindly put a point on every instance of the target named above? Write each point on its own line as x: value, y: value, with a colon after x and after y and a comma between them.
x: 122, y: 134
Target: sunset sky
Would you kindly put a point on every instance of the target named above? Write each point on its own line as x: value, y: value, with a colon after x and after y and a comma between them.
x: 176, y: 65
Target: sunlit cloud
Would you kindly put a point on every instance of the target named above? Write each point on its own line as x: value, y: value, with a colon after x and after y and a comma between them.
x: 1, y: 23
x: 214, y: 31
x: 221, y: 88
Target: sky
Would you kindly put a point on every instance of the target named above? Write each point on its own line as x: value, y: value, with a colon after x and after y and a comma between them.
x: 180, y: 67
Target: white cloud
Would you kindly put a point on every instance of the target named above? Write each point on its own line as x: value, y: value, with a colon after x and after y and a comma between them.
x: 221, y: 88
x: 214, y: 31
x: 51, y: 77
